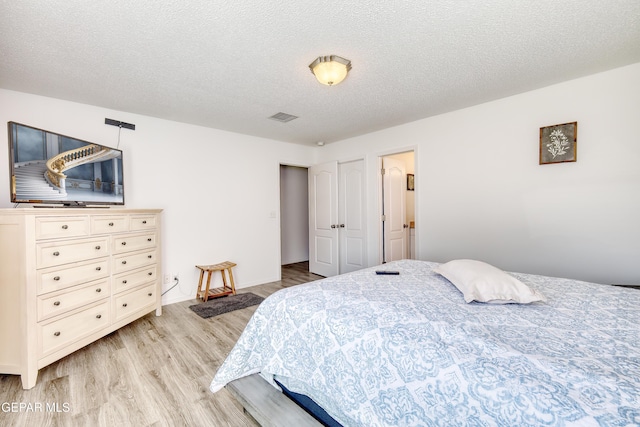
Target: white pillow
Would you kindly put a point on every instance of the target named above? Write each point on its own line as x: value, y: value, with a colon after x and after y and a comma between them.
x: 479, y: 281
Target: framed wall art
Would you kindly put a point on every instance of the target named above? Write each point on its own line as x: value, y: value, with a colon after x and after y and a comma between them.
x: 410, y: 182
x: 559, y: 143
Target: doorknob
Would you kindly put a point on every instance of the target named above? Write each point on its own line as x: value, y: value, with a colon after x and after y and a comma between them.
x: 341, y: 225
x: 333, y: 226
x: 405, y: 226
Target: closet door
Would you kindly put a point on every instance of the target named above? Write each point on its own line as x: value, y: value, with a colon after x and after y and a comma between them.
x: 337, y: 219
x: 352, y: 229
x: 323, y: 219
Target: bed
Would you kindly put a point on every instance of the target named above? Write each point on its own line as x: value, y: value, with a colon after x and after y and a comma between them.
x: 408, y: 350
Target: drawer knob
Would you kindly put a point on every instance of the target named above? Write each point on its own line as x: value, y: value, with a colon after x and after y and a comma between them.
x: 150, y: 273
x: 98, y: 248
x: 150, y: 294
x: 56, y: 278
x: 144, y: 222
x: 99, y: 290
x: 56, y: 253
x: 57, y: 334
x: 99, y: 316
x: 98, y: 268
x: 149, y: 256
x: 149, y: 239
x: 124, y: 262
x: 124, y: 305
x: 64, y: 227
x: 110, y: 224
x: 124, y: 243
x: 56, y: 303
x: 124, y: 282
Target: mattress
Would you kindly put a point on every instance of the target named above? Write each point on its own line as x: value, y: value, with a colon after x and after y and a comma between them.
x: 311, y: 407
x: 407, y: 350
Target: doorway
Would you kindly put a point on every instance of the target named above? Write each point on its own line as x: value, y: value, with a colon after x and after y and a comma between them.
x: 294, y: 215
x: 397, y: 195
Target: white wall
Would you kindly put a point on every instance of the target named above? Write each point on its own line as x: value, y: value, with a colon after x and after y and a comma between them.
x: 480, y: 192
x: 294, y: 214
x: 218, y: 189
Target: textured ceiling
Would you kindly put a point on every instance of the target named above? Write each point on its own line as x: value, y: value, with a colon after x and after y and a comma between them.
x: 232, y: 64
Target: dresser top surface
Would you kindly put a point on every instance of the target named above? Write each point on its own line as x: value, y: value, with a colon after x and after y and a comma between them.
x: 63, y: 211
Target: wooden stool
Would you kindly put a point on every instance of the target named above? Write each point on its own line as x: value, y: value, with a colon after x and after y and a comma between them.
x: 226, y: 289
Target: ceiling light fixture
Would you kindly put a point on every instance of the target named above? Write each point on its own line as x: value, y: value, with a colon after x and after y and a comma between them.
x: 330, y: 70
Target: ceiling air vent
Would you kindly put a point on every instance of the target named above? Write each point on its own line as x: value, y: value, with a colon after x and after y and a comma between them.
x: 283, y: 117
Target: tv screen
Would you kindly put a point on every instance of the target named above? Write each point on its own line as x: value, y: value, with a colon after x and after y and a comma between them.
x: 47, y: 167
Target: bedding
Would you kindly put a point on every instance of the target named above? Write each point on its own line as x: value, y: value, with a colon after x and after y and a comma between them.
x: 482, y: 282
x: 407, y: 350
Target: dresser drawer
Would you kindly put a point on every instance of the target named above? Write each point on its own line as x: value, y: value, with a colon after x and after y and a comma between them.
x: 135, y: 278
x: 53, y: 228
x: 56, y: 278
x: 55, y: 335
x: 60, y: 302
x: 133, y: 242
x: 103, y: 224
x: 132, y: 260
x: 130, y: 302
x: 58, y: 253
x: 142, y: 222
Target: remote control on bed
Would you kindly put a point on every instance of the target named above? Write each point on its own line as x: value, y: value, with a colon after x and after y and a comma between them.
x: 387, y: 272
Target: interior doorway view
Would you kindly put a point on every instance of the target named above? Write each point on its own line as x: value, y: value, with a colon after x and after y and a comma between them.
x: 294, y: 215
x: 323, y: 217
x: 397, y: 174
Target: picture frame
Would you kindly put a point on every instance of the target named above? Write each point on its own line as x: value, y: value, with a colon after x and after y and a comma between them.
x: 559, y: 143
x: 410, y: 182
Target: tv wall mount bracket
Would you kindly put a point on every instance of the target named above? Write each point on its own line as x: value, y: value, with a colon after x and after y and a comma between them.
x: 119, y: 124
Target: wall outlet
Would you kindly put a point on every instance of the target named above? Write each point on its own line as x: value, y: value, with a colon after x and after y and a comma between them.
x: 166, y: 278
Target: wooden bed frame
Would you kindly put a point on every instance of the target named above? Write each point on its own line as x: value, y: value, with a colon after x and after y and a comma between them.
x: 267, y: 405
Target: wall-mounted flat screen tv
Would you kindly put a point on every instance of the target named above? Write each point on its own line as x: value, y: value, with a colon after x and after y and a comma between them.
x: 47, y: 167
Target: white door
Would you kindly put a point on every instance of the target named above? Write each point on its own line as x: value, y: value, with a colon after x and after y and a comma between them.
x: 394, y: 209
x: 323, y: 219
x: 352, y: 219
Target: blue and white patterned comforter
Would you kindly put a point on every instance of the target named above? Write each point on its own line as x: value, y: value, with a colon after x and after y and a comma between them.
x: 408, y: 351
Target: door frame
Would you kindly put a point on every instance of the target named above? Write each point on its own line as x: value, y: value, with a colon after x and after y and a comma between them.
x: 279, y: 215
x: 394, y: 206
x: 379, y: 189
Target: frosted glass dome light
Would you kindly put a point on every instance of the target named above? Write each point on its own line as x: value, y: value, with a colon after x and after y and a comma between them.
x: 330, y: 70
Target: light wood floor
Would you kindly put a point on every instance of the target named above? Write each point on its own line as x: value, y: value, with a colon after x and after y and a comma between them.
x: 155, y: 371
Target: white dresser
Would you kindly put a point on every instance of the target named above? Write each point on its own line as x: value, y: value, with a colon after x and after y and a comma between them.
x: 71, y: 276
